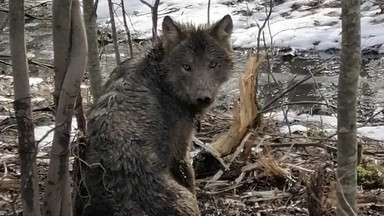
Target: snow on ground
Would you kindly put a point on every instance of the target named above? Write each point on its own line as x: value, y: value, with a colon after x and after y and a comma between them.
x: 375, y: 133
x: 294, y: 23
x: 301, y: 123
x: 35, y: 81
x: 44, y: 134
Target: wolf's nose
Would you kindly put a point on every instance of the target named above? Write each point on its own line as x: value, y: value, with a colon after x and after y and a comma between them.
x: 204, y: 100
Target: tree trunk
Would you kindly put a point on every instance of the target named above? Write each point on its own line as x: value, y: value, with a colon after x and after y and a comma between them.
x: 57, y: 196
x: 208, y: 11
x: 114, y: 34
x: 29, y: 186
x: 154, y: 10
x: 93, y: 51
x: 127, y: 29
x: 79, y: 113
x: 61, y: 18
x: 346, y: 112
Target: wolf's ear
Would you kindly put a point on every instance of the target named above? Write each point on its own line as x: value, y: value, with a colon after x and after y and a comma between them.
x: 222, y: 30
x: 171, y: 32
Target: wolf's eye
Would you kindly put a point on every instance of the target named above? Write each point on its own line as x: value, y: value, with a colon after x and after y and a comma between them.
x: 212, y: 64
x: 187, y: 67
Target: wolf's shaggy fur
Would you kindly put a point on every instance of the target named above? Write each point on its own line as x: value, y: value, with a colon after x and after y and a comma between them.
x: 140, y: 129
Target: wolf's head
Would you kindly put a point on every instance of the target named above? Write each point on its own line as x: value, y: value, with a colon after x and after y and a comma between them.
x: 197, y: 59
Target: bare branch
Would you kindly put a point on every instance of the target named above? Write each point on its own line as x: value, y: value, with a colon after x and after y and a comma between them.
x: 146, y: 3
x: 114, y: 33
x: 208, y: 11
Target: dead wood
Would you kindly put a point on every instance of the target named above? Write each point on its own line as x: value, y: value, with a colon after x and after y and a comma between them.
x: 315, y: 188
x: 245, y: 110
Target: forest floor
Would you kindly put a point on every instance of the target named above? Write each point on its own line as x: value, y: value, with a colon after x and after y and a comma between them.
x: 284, y: 167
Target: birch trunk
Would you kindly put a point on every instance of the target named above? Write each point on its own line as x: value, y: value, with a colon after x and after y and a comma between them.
x: 346, y: 112
x: 29, y: 186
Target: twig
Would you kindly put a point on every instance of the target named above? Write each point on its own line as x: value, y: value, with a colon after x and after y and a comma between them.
x: 302, y: 145
x: 239, y: 148
x: 290, y: 89
x: 25, y: 14
x: 47, y: 133
x: 37, y: 5
x: 262, y: 26
x: 154, y: 10
x: 211, y: 150
x: 6, y: 63
x: 321, y: 94
x: 370, y: 118
x: 30, y: 61
x: 146, y: 3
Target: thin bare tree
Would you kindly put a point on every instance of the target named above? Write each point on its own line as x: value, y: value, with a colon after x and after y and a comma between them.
x: 70, y: 55
x: 127, y: 29
x: 29, y: 186
x: 154, y: 8
x: 89, y: 10
x: 346, y: 108
x: 209, y: 11
x: 114, y: 33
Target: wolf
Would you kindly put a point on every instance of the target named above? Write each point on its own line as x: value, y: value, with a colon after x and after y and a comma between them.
x: 140, y: 130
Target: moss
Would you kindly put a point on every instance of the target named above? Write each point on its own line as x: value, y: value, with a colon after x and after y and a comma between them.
x: 370, y: 175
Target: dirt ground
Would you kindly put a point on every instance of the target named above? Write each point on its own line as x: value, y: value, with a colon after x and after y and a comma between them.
x: 269, y: 174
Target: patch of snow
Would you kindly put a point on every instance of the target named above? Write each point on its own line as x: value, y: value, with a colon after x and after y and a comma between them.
x: 32, y: 80
x: 46, y: 52
x: 329, y: 124
x: 30, y: 55
x: 40, y: 132
x: 31, y: 24
x: 35, y: 81
x: 2, y: 117
x: 38, y: 99
x: 303, y: 28
x: 294, y: 128
x: 4, y: 99
x: 6, y: 77
x: 331, y: 131
x: 47, y: 132
x: 381, y: 49
x: 322, y: 120
x: 375, y: 133
x: 280, y: 117
x: 83, y: 86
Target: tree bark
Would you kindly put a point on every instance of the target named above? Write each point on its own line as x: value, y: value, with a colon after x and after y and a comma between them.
x: 93, y: 51
x: 208, y: 11
x: 29, y: 186
x: 114, y: 34
x: 154, y: 10
x: 127, y: 29
x: 57, y: 196
x: 154, y: 21
x: 61, y: 18
x: 346, y: 112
